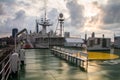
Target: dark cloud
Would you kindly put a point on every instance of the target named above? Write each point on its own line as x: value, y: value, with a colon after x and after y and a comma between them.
x: 112, y: 11
x: 53, y: 14
x: 22, y: 3
x: 76, y: 13
x: 113, y: 1
x: 20, y: 15
x: 17, y: 22
x: 10, y: 17
x: 8, y: 1
x: 1, y: 9
x: 14, y: 14
x: 112, y: 16
x: 113, y: 26
x: 7, y: 7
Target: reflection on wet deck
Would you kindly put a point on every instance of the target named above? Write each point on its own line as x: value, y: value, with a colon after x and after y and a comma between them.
x: 42, y: 65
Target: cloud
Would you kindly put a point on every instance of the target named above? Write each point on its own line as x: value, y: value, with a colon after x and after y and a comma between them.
x: 7, y: 1
x: 112, y: 11
x: 93, y: 16
x: 76, y: 13
x: 13, y: 22
x: 23, y: 13
x: 1, y: 9
x: 20, y: 15
x: 12, y: 15
x: 112, y: 27
x: 112, y: 16
x: 53, y: 16
x: 23, y: 3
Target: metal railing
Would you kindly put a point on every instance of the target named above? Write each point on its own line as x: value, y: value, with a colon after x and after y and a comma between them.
x: 5, y: 68
x: 77, y: 57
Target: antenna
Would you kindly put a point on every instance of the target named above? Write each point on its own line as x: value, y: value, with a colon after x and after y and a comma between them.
x: 61, y: 25
x: 37, y: 26
x: 45, y: 5
x: 44, y: 21
x: 85, y: 37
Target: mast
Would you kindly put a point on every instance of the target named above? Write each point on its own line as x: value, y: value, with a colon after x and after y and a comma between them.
x: 45, y: 7
x: 85, y: 37
x: 37, y: 27
x: 44, y: 21
x: 61, y: 21
x: 60, y: 29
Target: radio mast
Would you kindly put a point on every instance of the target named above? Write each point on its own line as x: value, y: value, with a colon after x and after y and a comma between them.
x: 44, y: 21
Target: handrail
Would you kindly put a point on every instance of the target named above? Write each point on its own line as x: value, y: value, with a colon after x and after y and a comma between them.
x: 80, y: 58
x: 4, y: 59
x: 5, y: 70
x: 83, y: 54
x: 4, y: 66
x: 3, y: 50
x: 8, y: 69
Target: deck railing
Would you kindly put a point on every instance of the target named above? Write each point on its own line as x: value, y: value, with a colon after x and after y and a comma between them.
x: 5, y: 68
x: 76, y: 57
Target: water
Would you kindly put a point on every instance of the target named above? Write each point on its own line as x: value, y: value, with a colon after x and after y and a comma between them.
x: 42, y: 65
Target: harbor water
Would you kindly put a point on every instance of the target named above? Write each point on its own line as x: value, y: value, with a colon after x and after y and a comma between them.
x: 42, y: 65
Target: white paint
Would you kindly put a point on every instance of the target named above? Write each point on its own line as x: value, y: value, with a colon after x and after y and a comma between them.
x: 14, y: 62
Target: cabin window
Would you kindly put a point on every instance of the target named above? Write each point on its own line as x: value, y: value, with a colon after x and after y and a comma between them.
x: 91, y: 43
x: 98, y: 41
x: 104, y: 43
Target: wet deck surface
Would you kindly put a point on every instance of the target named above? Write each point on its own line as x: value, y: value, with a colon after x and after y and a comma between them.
x: 42, y: 65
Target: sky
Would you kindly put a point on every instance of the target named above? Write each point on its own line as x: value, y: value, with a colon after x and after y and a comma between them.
x: 81, y: 16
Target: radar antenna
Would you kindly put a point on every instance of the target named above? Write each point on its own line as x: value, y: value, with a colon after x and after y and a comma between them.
x: 60, y: 29
x: 45, y: 7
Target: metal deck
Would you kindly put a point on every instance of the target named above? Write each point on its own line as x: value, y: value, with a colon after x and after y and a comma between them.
x: 42, y: 65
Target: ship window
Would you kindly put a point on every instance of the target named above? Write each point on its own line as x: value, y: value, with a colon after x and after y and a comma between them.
x: 91, y: 43
x: 104, y: 43
x: 98, y: 41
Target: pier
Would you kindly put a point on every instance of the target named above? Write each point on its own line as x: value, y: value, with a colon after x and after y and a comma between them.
x: 75, y: 57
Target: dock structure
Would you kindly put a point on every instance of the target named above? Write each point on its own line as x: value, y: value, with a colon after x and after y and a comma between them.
x: 75, y: 57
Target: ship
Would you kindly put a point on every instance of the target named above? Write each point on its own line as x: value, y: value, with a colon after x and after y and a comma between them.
x: 45, y: 39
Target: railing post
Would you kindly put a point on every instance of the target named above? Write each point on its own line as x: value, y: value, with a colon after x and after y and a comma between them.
x: 3, y: 73
x: 79, y: 59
